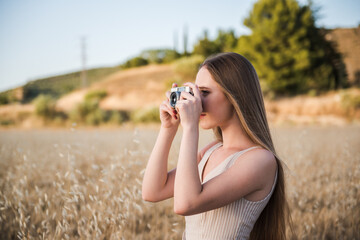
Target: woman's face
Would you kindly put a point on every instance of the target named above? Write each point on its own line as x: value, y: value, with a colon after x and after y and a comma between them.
x: 217, y: 109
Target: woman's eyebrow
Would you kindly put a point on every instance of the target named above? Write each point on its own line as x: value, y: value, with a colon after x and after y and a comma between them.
x: 201, y: 87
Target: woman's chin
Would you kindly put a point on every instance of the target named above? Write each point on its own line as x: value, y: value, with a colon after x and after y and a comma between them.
x: 205, y: 126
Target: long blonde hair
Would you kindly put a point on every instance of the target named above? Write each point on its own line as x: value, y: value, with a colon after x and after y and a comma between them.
x: 240, y: 83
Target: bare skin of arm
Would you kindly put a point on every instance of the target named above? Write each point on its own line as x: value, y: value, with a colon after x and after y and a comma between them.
x: 158, y: 183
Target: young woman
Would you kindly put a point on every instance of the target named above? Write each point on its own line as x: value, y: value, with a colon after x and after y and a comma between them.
x: 234, y: 187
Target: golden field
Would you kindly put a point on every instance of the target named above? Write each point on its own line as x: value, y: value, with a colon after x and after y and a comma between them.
x: 86, y: 184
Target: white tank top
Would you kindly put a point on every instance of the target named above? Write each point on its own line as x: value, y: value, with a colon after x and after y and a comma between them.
x: 232, y: 221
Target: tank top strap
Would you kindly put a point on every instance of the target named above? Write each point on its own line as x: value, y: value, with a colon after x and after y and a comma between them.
x: 206, y: 157
x: 238, y: 154
x: 275, y: 181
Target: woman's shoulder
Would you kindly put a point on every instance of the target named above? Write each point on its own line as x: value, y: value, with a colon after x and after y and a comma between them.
x: 260, y: 152
x: 258, y: 158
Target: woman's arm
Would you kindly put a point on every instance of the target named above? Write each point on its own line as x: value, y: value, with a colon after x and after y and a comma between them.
x: 158, y: 183
x: 187, y: 181
x: 252, y: 173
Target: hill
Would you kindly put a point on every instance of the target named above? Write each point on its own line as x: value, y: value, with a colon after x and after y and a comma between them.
x: 126, y: 90
x: 56, y: 86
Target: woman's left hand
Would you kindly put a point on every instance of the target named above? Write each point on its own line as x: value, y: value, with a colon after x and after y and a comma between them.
x: 189, y: 107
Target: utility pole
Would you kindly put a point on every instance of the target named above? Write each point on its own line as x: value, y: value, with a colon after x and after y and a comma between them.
x: 175, y: 41
x: 185, y: 40
x: 83, y: 63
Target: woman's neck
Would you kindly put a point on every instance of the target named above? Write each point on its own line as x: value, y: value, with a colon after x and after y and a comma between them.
x: 234, y: 135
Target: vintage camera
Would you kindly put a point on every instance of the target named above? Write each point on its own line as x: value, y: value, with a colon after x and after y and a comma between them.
x: 176, y: 92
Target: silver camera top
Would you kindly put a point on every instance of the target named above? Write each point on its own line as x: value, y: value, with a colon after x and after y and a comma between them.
x: 175, y: 94
x: 181, y: 89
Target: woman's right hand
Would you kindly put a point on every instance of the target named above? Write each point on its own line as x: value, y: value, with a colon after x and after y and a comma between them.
x: 168, y: 116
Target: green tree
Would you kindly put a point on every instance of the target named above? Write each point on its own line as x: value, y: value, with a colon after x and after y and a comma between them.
x: 289, y: 53
x: 160, y: 55
x: 205, y: 46
x: 226, y: 41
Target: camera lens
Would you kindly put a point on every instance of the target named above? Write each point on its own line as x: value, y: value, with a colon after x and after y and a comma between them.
x: 173, y: 99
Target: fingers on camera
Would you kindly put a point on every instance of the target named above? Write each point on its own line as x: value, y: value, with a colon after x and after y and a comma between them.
x: 173, y: 113
x: 186, y: 96
x: 163, y: 107
x: 168, y: 94
x: 167, y: 108
x: 194, y: 87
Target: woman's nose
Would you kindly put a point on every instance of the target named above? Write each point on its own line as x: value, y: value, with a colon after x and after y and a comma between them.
x: 202, y: 103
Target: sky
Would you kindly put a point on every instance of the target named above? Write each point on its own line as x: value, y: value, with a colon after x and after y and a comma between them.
x: 41, y: 38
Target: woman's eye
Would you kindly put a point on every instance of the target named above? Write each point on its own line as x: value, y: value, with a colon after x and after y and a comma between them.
x: 204, y: 93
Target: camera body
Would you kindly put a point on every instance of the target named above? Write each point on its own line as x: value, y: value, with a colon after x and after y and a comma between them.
x: 175, y: 94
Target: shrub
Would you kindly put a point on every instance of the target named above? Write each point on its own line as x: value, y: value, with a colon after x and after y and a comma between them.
x: 312, y: 93
x: 89, y: 112
x: 136, y: 62
x: 4, y: 99
x: 6, y: 122
x: 83, y: 109
x: 350, y: 103
x: 95, y: 117
x: 146, y: 115
x: 119, y: 117
x: 187, y: 67
x: 95, y: 95
x: 45, y: 106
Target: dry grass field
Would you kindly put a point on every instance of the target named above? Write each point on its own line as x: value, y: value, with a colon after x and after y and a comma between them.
x: 86, y: 184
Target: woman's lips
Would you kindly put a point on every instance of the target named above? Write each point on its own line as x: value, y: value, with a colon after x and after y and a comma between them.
x: 202, y: 115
